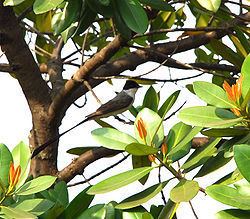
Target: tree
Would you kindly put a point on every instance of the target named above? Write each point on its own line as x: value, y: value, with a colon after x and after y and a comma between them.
x: 115, y: 36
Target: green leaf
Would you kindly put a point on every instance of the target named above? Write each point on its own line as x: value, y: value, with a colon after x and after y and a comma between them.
x: 95, y: 212
x: 166, y: 106
x: 141, y: 197
x: 226, y: 132
x: 136, y: 213
x: 151, y: 99
x: 210, y: 5
x: 119, y: 180
x: 246, y: 76
x: 42, y: 6
x: 212, y: 94
x: 141, y: 161
x: 79, y: 150
x: 209, y: 116
x: 158, y: 4
x: 133, y: 15
x: 69, y: 15
x: 201, y: 155
x: 242, y: 159
x: 213, y: 164
x: 182, y: 148
x: 12, y: 2
x: 112, y: 138
x: 184, y: 191
x: 229, y: 196
x: 5, y: 160
x: 230, y: 178
x: 78, y: 205
x: 35, y: 206
x: 233, y: 214
x: 169, y: 210
x: 153, y: 123
x: 9, y: 212
x: 140, y: 149
x: 21, y: 156
x: 36, y: 185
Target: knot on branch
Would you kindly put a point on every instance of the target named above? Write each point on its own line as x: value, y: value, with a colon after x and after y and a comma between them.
x: 4, y: 39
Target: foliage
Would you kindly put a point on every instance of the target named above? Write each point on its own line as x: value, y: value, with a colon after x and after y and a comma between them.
x: 142, y: 28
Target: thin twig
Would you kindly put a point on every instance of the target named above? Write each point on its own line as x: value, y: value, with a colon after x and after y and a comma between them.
x: 195, y: 215
x: 162, y: 193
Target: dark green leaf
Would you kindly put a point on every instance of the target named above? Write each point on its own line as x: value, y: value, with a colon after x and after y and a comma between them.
x: 158, y: 4
x: 169, y: 210
x: 141, y: 161
x: 226, y: 132
x: 79, y: 150
x: 151, y: 99
x: 233, y: 214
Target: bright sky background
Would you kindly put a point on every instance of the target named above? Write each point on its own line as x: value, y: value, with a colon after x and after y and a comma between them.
x: 16, y: 123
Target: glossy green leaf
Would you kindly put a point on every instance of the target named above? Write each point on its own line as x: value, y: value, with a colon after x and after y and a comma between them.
x: 112, y: 138
x: 166, y: 106
x: 12, y: 2
x: 169, y: 210
x: 35, y: 206
x: 133, y: 15
x: 183, y: 147
x: 136, y: 213
x: 158, y: 4
x: 69, y: 15
x: 153, y: 124
x: 141, y: 197
x: 213, y: 164
x: 209, y: 116
x: 79, y: 150
x: 21, y: 156
x: 140, y: 149
x: 42, y: 6
x: 141, y: 161
x: 212, y: 94
x: 119, y: 180
x: 232, y: 214
x: 95, y: 212
x: 36, y: 185
x: 151, y: 99
x: 78, y: 205
x: 242, y: 159
x: 229, y: 196
x: 184, y: 191
x: 9, y: 212
x: 201, y: 155
x: 5, y: 160
x: 246, y: 76
x: 226, y: 132
x: 210, y: 5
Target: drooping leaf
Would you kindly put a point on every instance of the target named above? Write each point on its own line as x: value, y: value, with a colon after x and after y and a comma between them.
x: 229, y: 196
x: 133, y: 15
x: 141, y: 197
x: 36, y: 185
x: 119, y: 180
x: 42, y: 6
x: 212, y: 94
x: 112, y: 138
x: 242, y: 159
x: 140, y: 149
x: 208, y: 116
x: 184, y: 191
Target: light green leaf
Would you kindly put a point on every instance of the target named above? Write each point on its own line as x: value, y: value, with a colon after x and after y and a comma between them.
x: 5, y: 160
x: 184, y: 191
x: 141, y: 197
x: 229, y: 196
x: 112, y: 138
x: 209, y: 116
x: 166, y: 106
x: 42, y: 6
x: 201, y: 155
x: 133, y: 15
x: 140, y: 149
x: 212, y: 94
x: 119, y: 180
x: 12, y: 2
x: 151, y: 99
x: 230, y: 178
x: 246, y: 76
x: 242, y: 159
x: 15, y: 213
x: 153, y: 123
x: 35, y: 206
x: 36, y: 185
x: 21, y: 156
x: 233, y: 214
x: 210, y: 5
x: 95, y: 212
